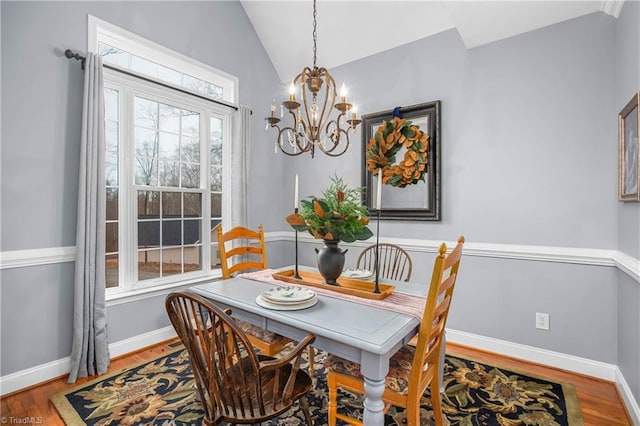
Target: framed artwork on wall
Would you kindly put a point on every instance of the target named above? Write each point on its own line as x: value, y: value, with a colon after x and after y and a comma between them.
x: 629, y: 151
x: 413, y: 196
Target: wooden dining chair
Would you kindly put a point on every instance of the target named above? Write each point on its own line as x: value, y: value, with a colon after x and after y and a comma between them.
x: 411, y: 369
x: 395, y: 262
x: 236, y: 385
x: 242, y: 249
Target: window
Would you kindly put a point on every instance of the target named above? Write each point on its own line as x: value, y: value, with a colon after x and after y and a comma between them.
x: 128, y: 51
x: 166, y: 163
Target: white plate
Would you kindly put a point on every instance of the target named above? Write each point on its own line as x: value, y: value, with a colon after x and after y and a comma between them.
x: 290, y: 307
x: 361, y: 274
x: 288, y: 295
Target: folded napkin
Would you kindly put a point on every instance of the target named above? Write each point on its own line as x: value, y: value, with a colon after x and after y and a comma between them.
x: 396, y: 302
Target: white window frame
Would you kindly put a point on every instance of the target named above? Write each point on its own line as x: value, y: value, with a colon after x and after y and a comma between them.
x: 112, y: 35
x: 128, y: 88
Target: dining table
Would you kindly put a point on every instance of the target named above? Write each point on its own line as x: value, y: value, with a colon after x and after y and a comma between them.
x: 356, y: 330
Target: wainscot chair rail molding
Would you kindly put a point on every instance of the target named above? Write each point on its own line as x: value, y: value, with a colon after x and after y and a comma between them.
x: 575, y: 255
x: 36, y: 257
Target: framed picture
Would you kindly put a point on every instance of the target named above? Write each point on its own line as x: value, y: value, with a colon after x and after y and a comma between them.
x: 419, y: 200
x: 629, y: 151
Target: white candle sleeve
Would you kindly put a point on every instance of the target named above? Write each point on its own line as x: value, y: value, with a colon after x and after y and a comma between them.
x: 379, y: 192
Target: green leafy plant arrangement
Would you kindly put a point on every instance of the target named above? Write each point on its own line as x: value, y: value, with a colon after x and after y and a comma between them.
x: 337, y: 215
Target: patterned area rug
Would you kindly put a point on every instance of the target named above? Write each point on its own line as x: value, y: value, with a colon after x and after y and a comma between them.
x: 162, y: 392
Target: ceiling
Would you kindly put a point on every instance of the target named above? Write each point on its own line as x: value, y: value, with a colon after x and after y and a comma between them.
x: 350, y: 30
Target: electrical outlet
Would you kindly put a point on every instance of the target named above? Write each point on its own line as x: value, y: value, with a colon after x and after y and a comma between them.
x: 542, y: 321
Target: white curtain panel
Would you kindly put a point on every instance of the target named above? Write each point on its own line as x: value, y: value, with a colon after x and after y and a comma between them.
x: 240, y: 160
x: 90, y: 350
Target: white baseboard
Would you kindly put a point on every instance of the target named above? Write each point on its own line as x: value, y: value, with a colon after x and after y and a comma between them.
x: 135, y: 343
x: 627, y: 396
x: 571, y: 363
x: 34, y: 375
x: 41, y: 373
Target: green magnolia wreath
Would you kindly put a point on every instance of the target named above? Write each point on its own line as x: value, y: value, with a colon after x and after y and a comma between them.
x: 385, y: 144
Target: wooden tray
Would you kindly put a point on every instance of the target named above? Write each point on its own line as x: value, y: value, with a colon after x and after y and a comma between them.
x: 345, y: 285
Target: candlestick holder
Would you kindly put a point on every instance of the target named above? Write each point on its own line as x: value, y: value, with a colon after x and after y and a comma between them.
x: 295, y: 271
x: 376, y: 288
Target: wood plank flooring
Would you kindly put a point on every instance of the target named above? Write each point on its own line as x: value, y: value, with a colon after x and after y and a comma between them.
x: 600, y: 402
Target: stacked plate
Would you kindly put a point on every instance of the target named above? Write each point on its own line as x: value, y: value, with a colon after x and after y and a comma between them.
x: 360, y: 274
x: 287, y: 298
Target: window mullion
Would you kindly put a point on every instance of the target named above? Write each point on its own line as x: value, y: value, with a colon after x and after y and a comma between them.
x: 129, y: 210
x: 205, y: 185
x: 226, y: 173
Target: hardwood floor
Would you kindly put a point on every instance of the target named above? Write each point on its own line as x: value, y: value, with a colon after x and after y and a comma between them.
x: 600, y: 402
x: 34, y: 401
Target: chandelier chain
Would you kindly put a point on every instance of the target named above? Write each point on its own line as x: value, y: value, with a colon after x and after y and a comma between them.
x: 315, y: 32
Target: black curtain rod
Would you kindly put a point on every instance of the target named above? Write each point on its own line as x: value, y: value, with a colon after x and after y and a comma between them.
x: 72, y: 55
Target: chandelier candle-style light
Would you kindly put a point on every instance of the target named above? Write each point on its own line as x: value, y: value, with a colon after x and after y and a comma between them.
x: 312, y: 123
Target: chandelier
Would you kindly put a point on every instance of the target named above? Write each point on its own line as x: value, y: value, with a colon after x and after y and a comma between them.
x: 312, y: 125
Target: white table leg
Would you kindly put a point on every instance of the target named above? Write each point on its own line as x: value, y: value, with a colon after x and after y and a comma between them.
x: 373, y: 405
x: 374, y: 368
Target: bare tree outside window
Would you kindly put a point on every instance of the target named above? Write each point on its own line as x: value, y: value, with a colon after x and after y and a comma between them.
x: 167, y: 155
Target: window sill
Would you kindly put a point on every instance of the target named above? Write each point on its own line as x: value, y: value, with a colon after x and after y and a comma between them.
x: 120, y: 297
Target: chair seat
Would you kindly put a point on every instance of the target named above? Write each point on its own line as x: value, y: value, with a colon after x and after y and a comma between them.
x: 397, y: 379
x: 260, y: 333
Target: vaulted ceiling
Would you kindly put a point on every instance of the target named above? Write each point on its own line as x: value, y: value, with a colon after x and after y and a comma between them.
x: 350, y: 30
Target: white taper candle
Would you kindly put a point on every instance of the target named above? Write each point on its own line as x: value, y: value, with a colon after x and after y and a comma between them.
x: 379, y: 191
x: 295, y: 193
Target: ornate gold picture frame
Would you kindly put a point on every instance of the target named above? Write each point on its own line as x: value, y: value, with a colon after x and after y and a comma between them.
x: 629, y: 151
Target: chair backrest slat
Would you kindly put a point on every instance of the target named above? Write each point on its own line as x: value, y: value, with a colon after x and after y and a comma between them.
x: 395, y: 262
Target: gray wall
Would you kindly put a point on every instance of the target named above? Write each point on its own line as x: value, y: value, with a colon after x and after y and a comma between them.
x: 526, y: 128
x: 529, y: 157
x: 628, y: 60
x: 41, y: 107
